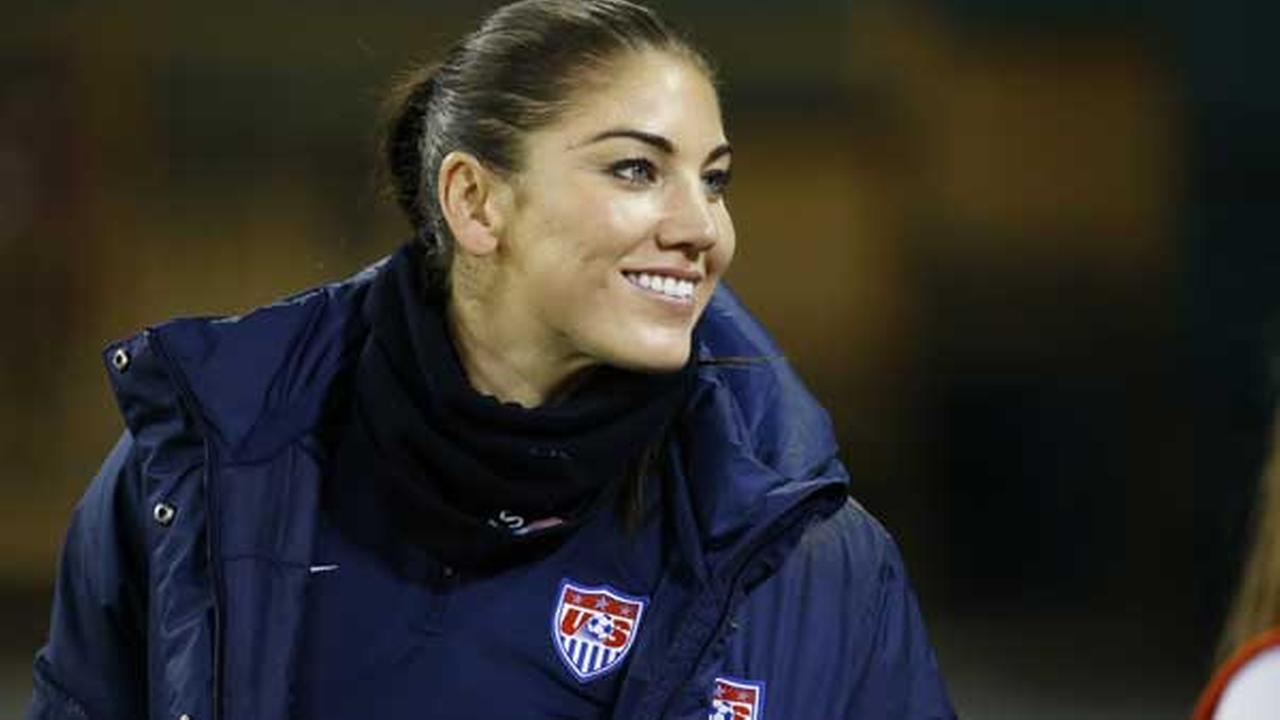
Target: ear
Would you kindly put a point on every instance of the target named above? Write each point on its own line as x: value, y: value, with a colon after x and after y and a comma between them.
x: 471, y: 200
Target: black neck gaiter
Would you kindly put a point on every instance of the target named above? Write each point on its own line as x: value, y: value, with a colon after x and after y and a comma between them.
x: 477, y: 482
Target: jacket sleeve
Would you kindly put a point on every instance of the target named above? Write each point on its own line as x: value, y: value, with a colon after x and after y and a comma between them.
x: 837, y: 631
x: 902, y: 678
x: 93, y: 666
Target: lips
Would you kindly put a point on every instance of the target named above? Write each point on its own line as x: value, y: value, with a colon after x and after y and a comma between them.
x: 676, y: 288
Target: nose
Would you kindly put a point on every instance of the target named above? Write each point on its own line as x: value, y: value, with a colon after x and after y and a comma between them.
x: 689, y: 222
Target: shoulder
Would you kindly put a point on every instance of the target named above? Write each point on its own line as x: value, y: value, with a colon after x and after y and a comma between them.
x: 845, y: 583
x: 221, y: 377
x: 842, y: 567
x: 848, y: 554
x: 839, y: 627
x: 1248, y: 685
x: 850, y: 536
x: 108, y: 525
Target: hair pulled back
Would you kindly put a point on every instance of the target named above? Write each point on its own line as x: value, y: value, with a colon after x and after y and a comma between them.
x: 517, y: 73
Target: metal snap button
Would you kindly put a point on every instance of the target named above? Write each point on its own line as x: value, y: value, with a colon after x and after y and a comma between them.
x: 120, y: 359
x: 164, y: 513
x: 184, y: 716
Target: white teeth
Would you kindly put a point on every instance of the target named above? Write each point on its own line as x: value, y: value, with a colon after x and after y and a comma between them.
x: 669, y: 286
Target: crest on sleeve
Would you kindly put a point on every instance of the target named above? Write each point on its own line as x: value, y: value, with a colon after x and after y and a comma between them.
x: 734, y: 699
x: 593, y: 628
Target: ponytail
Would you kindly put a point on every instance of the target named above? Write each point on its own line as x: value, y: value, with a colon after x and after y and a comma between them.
x: 403, y: 145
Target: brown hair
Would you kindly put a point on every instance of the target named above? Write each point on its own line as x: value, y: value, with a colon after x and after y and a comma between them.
x: 1257, y: 604
x: 515, y: 74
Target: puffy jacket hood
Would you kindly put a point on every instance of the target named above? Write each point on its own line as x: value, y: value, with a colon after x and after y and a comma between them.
x: 755, y: 441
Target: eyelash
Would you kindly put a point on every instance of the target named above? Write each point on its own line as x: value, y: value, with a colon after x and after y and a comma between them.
x: 717, y: 181
x: 625, y: 169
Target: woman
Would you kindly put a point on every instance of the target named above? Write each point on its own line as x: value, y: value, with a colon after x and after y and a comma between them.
x: 535, y: 464
x: 1247, y: 685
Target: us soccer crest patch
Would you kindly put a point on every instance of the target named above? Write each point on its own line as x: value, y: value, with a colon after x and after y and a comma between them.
x: 734, y: 699
x: 594, y: 627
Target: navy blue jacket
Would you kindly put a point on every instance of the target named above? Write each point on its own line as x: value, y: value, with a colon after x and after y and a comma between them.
x: 182, y: 580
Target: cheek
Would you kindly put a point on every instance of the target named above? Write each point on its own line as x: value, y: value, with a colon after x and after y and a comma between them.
x: 628, y: 220
x: 605, y: 230
x: 722, y: 254
x: 600, y: 227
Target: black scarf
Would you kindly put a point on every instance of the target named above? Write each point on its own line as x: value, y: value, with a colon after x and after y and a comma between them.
x: 476, y: 482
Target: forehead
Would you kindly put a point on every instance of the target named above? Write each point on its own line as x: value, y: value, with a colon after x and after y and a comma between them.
x: 652, y: 91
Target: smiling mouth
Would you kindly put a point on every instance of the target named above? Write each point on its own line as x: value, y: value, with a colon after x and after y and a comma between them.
x: 663, y: 285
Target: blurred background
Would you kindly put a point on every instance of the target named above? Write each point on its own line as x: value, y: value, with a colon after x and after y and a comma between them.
x: 1025, y: 251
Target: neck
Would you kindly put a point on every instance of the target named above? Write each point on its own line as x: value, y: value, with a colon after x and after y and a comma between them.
x: 502, y: 361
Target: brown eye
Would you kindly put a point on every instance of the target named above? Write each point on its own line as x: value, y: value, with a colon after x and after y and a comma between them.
x: 636, y: 171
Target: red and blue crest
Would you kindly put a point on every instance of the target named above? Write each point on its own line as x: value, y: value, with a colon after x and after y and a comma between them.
x: 734, y: 699
x: 593, y: 628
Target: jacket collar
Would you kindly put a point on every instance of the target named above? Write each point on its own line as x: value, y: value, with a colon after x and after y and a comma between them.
x: 755, y: 441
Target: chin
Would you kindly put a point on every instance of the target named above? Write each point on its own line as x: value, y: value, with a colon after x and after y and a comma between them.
x: 654, y: 357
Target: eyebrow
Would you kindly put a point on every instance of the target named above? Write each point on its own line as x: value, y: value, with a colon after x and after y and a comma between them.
x: 656, y: 141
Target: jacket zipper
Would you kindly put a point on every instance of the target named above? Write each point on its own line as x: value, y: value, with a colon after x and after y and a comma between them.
x: 721, y: 606
x: 211, y: 514
x: 215, y: 569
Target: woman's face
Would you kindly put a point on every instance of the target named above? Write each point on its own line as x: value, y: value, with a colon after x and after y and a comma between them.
x: 619, y: 230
